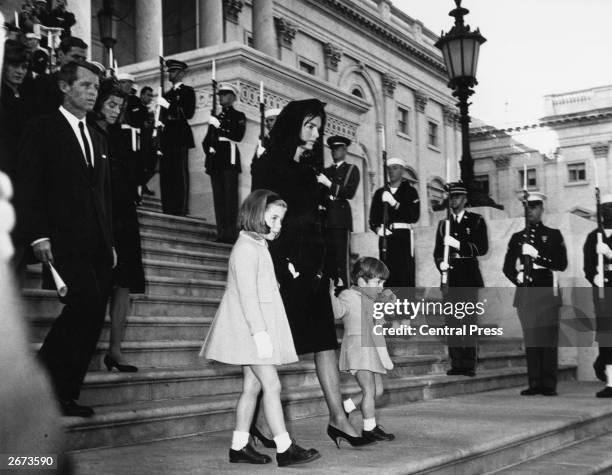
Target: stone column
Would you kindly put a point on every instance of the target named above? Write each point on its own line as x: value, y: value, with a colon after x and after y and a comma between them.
x: 420, y: 135
x: 264, y: 38
x: 149, y: 29
x: 211, y: 22
x: 82, y: 28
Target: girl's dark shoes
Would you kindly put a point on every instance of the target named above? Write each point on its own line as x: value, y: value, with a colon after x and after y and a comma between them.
x: 295, y: 455
x: 377, y: 434
x: 248, y: 455
x: 337, y: 434
x: 258, y: 436
x: 110, y: 363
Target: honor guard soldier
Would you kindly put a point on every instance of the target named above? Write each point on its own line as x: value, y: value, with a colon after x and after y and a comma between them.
x: 533, y: 255
x: 259, y: 168
x: 340, y: 182
x: 176, y: 140
x: 403, y: 205
x: 598, y: 271
x: 467, y: 240
x: 223, y: 161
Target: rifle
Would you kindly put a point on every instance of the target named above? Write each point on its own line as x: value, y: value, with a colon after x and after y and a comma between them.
x: 160, y: 101
x: 600, y: 232
x: 386, y: 187
x: 446, y: 255
x: 262, y: 115
x: 527, y: 263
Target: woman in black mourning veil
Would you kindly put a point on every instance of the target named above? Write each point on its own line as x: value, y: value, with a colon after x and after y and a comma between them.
x: 292, y: 163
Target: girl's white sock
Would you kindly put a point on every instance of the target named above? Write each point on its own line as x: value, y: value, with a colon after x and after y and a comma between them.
x: 283, y: 442
x: 239, y: 440
x: 349, y: 405
x: 609, y: 375
x: 369, y: 424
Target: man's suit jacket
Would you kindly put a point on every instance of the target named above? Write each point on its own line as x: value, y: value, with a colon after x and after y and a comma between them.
x: 177, y: 130
x: 56, y: 196
x: 345, y: 180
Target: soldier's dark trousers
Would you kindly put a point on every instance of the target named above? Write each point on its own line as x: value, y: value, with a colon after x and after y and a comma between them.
x: 225, y: 196
x: 337, y: 256
x: 174, y: 180
x: 399, y: 259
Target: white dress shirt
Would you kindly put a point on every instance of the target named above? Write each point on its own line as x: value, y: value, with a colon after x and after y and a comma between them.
x: 74, y: 123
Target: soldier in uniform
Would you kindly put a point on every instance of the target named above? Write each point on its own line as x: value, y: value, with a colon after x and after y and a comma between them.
x: 259, y: 169
x: 536, y: 298
x: 602, y: 302
x: 223, y: 161
x: 340, y: 182
x: 176, y: 140
x: 467, y: 240
x: 403, y: 206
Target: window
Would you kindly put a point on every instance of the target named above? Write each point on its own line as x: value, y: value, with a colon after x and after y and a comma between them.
x: 576, y: 172
x: 402, y: 121
x: 248, y: 39
x: 432, y: 133
x: 357, y: 92
x: 531, y: 178
x: 307, y: 67
x: 481, y: 183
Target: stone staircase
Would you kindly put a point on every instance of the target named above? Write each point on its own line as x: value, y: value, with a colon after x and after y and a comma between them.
x: 176, y: 393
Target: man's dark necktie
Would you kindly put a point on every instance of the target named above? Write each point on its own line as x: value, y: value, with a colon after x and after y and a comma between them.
x: 85, y: 145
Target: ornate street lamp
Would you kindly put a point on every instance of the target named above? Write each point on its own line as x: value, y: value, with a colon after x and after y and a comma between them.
x: 460, y: 48
x: 107, y: 23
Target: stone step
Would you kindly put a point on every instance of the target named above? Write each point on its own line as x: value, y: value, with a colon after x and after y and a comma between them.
x: 158, y: 222
x: 153, y: 241
x: 209, y: 378
x: 131, y: 423
x: 44, y: 303
x: 199, y: 258
x: 585, y: 457
x: 151, y: 203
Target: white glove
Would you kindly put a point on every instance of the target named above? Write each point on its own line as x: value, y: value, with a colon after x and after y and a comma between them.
x: 444, y: 266
x: 388, y: 198
x: 292, y: 270
x: 260, y: 150
x: 380, y: 231
x: 598, y: 280
x: 603, y: 248
x: 263, y: 344
x: 529, y: 250
x: 159, y: 124
x: 323, y: 180
x: 214, y: 121
x: 519, y: 277
x: 452, y: 242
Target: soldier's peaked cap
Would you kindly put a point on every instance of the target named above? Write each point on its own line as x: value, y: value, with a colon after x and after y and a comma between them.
x: 457, y: 188
x: 534, y: 197
x: 607, y: 198
x: 175, y: 64
x: 336, y: 140
x: 228, y: 87
x: 396, y: 161
x: 272, y: 113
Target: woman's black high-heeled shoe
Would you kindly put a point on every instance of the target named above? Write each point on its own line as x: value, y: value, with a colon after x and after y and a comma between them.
x: 336, y: 434
x: 123, y: 368
x: 258, y: 436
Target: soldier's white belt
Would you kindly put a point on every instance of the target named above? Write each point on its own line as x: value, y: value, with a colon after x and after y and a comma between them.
x: 534, y: 267
x: 607, y: 266
x: 394, y: 226
x: 135, y: 131
x: 232, y: 149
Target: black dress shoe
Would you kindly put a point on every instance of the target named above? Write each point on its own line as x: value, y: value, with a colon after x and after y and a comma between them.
x: 336, y: 435
x: 454, y: 372
x: 470, y: 372
x: 70, y: 408
x: 600, y: 370
x: 258, y: 436
x: 110, y: 363
x: 295, y: 455
x: 605, y: 392
x: 377, y: 434
x: 531, y: 391
x: 248, y: 455
x: 549, y: 392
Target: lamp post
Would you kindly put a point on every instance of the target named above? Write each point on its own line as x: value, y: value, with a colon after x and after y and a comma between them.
x: 460, y: 48
x: 107, y: 23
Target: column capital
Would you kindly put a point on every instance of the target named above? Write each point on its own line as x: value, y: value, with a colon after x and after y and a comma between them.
x: 389, y: 84
x: 600, y: 149
x: 420, y: 100
x: 502, y: 162
x: 333, y: 54
x: 285, y: 31
x: 451, y: 115
x: 232, y: 9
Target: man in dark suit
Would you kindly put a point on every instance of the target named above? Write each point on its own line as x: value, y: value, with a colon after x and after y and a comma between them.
x: 62, y: 198
x: 340, y: 181
x: 536, y: 299
x: 466, y: 241
x: 176, y: 140
x: 223, y: 161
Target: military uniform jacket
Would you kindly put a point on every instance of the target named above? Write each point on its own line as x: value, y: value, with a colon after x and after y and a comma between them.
x: 135, y: 113
x: 408, y: 211
x: 590, y: 258
x: 345, y: 180
x: 233, y: 126
x: 471, y: 232
x: 177, y: 130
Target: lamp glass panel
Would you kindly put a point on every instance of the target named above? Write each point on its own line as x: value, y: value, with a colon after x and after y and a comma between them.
x: 469, y: 45
x: 455, y: 51
x: 448, y: 60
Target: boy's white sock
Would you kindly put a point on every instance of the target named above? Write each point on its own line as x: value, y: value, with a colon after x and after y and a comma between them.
x: 349, y: 405
x: 609, y: 375
x: 369, y: 424
x: 283, y: 442
x: 239, y: 440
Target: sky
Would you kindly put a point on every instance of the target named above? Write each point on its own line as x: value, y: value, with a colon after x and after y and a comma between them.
x: 533, y: 48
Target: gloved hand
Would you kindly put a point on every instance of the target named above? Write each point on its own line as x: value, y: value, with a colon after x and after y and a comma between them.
x: 603, y: 248
x: 263, y: 343
x: 444, y: 266
x: 452, y: 242
x: 292, y: 270
x: 598, y: 280
x: 323, y: 180
x: 214, y: 121
x: 388, y: 198
x: 260, y: 150
x: 381, y: 233
x: 529, y: 250
x: 520, y: 277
